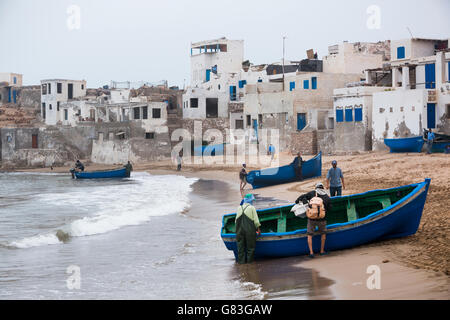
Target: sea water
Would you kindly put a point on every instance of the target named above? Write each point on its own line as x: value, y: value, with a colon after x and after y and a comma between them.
x: 146, y: 237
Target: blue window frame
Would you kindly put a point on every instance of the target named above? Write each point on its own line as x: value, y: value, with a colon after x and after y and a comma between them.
x: 242, y: 83
x: 430, y: 76
x: 305, y: 84
x: 348, y: 114
x: 358, y: 113
x: 314, y: 83
x: 339, y: 115
x: 15, y: 80
x: 232, y: 93
x: 208, y: 75
x: 291, y: 85
x: 301, y: 121
x: 400, y: 52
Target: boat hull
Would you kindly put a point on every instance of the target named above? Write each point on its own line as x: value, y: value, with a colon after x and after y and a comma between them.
x: 439, y: 146
x: 398, y: 220
x: 285, y: 174
x: 412, y: 144
x: 107, y: 174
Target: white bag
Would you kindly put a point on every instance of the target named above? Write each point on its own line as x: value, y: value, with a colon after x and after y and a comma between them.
x: 300, y: 210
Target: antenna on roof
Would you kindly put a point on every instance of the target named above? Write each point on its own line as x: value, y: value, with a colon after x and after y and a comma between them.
x: 410, y: 32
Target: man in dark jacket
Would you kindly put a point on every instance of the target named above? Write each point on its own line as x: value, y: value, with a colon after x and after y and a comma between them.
x: 321, y: 224
x: 79, y: 165
x: 297, y: 164
x: 247, y: 228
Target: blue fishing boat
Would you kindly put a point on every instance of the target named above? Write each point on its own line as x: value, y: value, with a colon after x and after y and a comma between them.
x: 353, y: 220
x: 100, y: 174
x: 210, y: 150
x: 411, y: 144
x: 272, y: 176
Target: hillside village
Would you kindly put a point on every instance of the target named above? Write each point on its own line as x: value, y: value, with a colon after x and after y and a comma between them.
x: 345, y: 102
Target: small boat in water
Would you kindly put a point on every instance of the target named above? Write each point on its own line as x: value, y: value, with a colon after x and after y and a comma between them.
x: 353, y: 220
x: 100, y: 174
x: 272, y: 176
x: 411, y: 144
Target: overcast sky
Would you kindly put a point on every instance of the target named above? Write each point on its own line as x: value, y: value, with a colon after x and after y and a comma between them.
x: 150, y: 40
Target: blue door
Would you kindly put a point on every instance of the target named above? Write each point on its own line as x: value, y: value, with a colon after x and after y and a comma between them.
x: 208, y: 74
x: 430, y: 76
x: 301, y: 121
x: 9, y: 94
x: 14, y: 96
x: 431, y: 115
x: 255, y: 127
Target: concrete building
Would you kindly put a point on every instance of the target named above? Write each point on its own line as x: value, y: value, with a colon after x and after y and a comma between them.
x: 352, y: 109
x: 420, y: 94
x: 9, y: 85
x: 56, y: 91
x: 356, y: 57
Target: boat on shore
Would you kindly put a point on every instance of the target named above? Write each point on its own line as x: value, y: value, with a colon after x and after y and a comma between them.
x: 100, y: 174
x: 410, y: 144
x: 353, y: 220
x: 285, y: 174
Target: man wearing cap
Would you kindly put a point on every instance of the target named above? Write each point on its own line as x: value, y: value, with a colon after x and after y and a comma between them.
x: 247, y: 226
x: 334, y: 178
x: 320, y: 224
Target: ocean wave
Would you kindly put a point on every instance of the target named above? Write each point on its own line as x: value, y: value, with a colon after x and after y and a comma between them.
x: 111, y: 207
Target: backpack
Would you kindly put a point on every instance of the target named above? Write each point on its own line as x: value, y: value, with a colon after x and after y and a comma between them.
x: 316, y: 209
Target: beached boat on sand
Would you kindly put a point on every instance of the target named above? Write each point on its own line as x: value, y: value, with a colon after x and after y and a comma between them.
x: 285, y: 174
x: 353, y: 220
x: 411, y: 144
x: 100, y: 174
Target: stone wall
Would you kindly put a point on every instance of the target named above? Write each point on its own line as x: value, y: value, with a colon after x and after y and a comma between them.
x: 304, y: 142
x: 29, y: 97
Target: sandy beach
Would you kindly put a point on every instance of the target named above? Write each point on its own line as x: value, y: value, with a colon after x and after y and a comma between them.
x: 415, y: 267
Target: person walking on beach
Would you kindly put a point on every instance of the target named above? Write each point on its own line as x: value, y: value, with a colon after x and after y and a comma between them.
x: 247, y: 227
x: 430, y: 140
x: 179, y: 158
x: 317, y: 221
x: 335, y: 180
x: 271, y: 151
x: 297, y: 164
x: 243, y: 177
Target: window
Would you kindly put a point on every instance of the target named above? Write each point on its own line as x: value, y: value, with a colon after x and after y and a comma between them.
x: 194, y: 102
x: 413, y: 108
x: 149, y: 135
x: 305, y: 84
x: 260, y: 120
x: 330, y: 123
x: 212, y: 107
x: 339, y: 114
x: 391, y: 109
x: 400, y: 52
x: 49, y: 107
x: 381, y: 110
x: 208, y: 75
x: 49, y: 86
x: 44, y: 89
x: 136, y: 113
x: 15, y: 80
x: 401, y: 109
x: 358, y: 113
x: 66, y: 114
x: 43, y: 110
x: 59, y: 87
x: 156, y: 113
x: 447, y: 111
x: 242, y: 83
x: 314, y: 83
x: 239, y: 124
x: 249, y: 120
x: 57, y: 106
x: 144, y: 112
x: 291, y: 85
x: 82, y: 87
x: 348, y: 114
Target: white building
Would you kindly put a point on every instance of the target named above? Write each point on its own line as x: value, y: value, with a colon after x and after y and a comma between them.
x: 356, y: 57
x: 56, y: 91
x: 215, y: 68
x: 9, y: 83
x: 420, y: 94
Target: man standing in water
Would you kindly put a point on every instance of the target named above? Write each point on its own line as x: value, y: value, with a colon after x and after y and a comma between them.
x: 334, y: 178
x: 297, y: 163
x: 247, y: 227
x: 129, y: 168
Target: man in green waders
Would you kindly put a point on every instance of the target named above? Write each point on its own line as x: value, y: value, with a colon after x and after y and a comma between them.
x: 247, y: 226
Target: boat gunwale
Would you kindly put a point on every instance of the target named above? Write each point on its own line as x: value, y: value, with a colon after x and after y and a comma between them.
x: 98, y: 171
x: 339, y: 226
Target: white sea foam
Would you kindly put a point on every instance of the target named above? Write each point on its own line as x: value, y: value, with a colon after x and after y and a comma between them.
x: 110, y: 207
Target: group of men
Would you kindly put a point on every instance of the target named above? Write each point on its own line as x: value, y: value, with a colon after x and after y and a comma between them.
x: 247, y: 221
